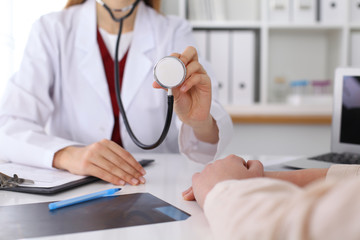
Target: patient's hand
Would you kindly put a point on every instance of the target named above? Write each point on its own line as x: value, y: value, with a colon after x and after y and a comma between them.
x: 231, y: 167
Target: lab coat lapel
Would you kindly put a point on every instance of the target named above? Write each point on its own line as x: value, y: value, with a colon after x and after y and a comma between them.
x: 90, y: 61
x: 138, y: 63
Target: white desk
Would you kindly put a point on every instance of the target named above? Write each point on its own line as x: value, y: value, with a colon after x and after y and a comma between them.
x: 167, y: 178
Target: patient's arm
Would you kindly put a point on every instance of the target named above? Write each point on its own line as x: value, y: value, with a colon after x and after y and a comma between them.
x: 239, y: 171
x: 298, y: 177
x: 265, y: 208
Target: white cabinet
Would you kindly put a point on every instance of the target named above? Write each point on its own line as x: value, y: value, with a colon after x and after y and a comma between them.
x: 219, y: 56
x: 243, y: 64
x: 278, y: 10
x: 293, y: 41
x: 355, y: 48
x: 302, y: 55
x: 355, y: 11
x: 333, y: 11
x: 304, y: 11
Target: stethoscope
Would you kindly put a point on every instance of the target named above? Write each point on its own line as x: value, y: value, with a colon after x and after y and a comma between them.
x: 169, y: 72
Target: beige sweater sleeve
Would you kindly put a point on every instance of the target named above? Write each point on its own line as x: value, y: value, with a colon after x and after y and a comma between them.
x: 339, y: 171
x: 266, y: 208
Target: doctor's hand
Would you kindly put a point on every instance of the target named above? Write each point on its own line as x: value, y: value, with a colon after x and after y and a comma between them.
x: 230, y: 168
x: 104, y: 159
x: 192, y: 99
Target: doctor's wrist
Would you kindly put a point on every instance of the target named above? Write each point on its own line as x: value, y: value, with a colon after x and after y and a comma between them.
x: 206, y: 131
x: 59, y: 160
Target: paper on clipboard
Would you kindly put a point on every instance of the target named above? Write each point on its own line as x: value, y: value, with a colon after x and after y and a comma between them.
x: 43, y: 178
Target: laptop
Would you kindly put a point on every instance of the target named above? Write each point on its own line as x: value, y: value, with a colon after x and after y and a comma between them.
x: 345, y: 131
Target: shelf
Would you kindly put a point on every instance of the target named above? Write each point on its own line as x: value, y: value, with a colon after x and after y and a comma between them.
x: 258, y: 25
x: 315, y: 26
x: 270, y: 119
x: 226, y: 24
x: 281, y: 113
x: 288, y: 51
x: 355, y: 26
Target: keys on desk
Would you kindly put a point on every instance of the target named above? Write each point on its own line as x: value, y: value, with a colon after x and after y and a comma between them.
x: 10, y: 182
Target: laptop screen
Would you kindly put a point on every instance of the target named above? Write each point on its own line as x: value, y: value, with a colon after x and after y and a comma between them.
x: 350, y: 114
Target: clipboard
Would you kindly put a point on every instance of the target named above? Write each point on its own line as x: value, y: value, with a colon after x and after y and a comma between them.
x: 52, y: 190
x: 64, y: 181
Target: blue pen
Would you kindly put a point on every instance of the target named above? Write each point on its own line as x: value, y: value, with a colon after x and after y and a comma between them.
x: 81, y: 199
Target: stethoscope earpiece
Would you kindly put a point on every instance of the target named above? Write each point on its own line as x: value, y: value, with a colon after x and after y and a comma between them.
x: 169, y: 72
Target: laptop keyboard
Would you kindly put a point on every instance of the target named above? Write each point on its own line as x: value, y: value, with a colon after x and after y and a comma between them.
x: 342, y: 158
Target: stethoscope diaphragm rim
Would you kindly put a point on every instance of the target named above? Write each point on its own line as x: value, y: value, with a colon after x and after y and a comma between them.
x: 165, y: 85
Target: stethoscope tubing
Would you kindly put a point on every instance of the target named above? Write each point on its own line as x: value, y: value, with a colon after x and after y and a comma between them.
x: 131, y: 8
x: 118, y: 94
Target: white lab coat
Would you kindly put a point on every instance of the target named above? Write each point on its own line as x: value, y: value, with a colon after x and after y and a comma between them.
x: 60, y: 96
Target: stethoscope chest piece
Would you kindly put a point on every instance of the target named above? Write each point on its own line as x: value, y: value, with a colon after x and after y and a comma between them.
x: 169, y: 72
